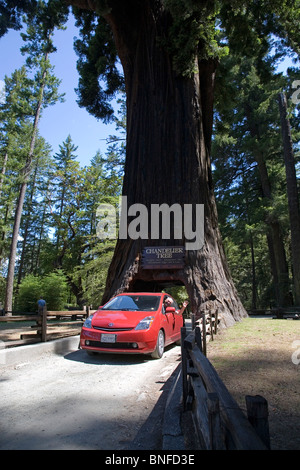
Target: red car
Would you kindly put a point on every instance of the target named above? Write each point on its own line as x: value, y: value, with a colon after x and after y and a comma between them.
x: 133, y: 323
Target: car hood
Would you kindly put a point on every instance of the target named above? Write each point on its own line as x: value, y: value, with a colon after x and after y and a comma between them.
x: 115, y: 319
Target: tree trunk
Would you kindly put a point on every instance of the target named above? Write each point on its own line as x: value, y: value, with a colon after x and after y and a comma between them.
x: 251, y: 244
x: 292, y: 192
x: 278, y: 262
x: 28, y: 222
x: 169, y: 125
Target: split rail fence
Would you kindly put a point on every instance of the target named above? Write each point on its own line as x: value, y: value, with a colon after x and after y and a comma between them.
x: 219, y: 423
x: 46, y: 325
x: 285, y: 313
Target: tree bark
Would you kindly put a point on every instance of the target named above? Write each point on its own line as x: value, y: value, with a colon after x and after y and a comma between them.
x: 292, y: 192
x: 28, y: 222
x: 169, y: 125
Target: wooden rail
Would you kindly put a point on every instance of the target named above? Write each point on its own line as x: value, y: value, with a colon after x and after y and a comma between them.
x: 217, y: 419
x: 278, y: 313
x: 208, y: 322
x: 47, y: 330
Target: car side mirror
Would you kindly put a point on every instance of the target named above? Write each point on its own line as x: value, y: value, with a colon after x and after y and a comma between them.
x: 170, y: 310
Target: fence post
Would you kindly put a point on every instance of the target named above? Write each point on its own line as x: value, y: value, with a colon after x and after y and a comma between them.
x: 214, y: 422
x: 204, y: 332
x: 43, y: 315
x: 184, y: 368
x: 216, y: 321
x: 193, y: 321
x: 198, y: 337
x: 257, y: 412
x: 211, y: 326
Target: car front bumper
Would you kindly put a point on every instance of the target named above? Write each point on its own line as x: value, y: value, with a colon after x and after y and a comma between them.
x: 124, y: 342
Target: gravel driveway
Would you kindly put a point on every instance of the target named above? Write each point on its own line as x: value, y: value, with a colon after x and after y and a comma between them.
x: 74, y: 401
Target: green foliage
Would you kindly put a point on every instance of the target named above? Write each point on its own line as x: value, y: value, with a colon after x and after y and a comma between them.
x: 30, y: 291
x: 100, y: 78
x: 194, y: 30
x: 38, y: 45
x: 251, y: 26
x: 53, y: 288
x: 192, y: 34
x: 93, y: 271
x: 11, y: 12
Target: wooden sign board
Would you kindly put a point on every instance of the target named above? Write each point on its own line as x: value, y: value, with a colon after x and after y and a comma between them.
x: 163, y: 257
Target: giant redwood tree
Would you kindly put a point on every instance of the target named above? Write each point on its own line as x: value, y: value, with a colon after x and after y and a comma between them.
x: 169, y: 50
x: 169, y: 53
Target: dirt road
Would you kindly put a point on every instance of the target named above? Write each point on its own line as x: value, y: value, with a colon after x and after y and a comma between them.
x: 75, y: 401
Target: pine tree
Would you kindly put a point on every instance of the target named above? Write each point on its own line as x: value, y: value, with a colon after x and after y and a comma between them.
x: 66, y: 183
x: 40, y: 28
x: 248, y: 135
x: 292, y: 192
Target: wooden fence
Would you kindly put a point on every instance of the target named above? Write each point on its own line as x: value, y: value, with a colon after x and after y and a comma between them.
x: 278, y: 313
x: 208, y: 322
x: 47, y: 325
x: 217, y: 419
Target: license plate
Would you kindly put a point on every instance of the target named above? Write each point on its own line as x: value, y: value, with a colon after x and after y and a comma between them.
x: 107, y: 338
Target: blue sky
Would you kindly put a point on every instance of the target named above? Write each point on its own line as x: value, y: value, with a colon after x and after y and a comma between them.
x: 66, y: 118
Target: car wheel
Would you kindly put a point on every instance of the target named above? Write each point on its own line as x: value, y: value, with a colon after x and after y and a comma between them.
x: 160, y: 345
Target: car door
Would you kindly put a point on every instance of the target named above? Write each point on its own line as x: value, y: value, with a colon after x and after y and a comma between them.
x: 178, y: 323
x: 168, y: 322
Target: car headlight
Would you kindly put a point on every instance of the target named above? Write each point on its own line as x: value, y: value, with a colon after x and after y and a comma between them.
x: 145, y: 323
x: 88, y: 322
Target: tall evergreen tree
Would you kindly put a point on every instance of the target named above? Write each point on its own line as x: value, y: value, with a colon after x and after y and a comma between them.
x: 102, y: 185
x: 34, y: 227
x: 15, y: 114
x: 292, y: 192
x: 247, y: 132
x: 38, y: 38
x: 66, y: 182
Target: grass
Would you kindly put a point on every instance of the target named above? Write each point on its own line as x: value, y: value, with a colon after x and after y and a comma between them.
x: 254, y: 357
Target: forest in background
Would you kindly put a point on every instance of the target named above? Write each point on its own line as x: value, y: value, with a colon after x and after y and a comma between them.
x: 59, y: 255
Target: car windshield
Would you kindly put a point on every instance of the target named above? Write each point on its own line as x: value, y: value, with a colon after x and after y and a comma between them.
x: 133, y: 302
